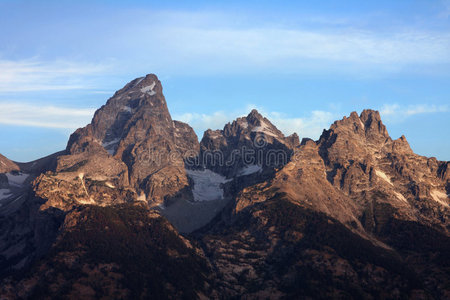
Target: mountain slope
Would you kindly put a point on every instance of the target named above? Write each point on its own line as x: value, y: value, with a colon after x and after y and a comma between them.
x: 131, y: 151
x: 353, y: 215
x: 118, y: 251
x: 367, y: 183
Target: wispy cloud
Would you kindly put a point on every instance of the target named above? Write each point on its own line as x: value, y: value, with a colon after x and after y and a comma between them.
x: 35, y: 75
x: 201, y: 122
x: 396, y: 112
x: 270, y: 46
x: 44, y: 116
x: 203, y: 43
x: 221, y: 46
x: 310, y: 126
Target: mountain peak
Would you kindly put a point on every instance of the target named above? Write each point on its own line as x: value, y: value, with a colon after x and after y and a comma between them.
x: 251, y: 197
x: 254, y: 117
x: 367, y: 124
x: 134, y: 125
x: 373, y: 124
x: 146, y: 85
x: 370, y: 114
x: 254, y: 113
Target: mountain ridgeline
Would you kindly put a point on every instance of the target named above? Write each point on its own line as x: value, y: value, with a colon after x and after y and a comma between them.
x: 137, y: 207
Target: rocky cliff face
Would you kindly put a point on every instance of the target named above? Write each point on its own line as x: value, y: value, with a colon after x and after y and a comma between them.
x: 355, y: 214
x: 359, y: 167
x: 247, y: 141
x: 363, y: 162
x: 6, y: 165
x: 358, y: 176
x: 131, y: 151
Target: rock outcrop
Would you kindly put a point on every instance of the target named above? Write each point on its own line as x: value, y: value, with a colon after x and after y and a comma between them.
x: 6, y: 165
x: 131, y: 151
x: 355, y: 214
x: 362, y: 161
x: 248, y: 141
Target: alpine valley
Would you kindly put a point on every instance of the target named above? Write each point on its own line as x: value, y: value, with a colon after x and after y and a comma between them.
x: 136, y: 207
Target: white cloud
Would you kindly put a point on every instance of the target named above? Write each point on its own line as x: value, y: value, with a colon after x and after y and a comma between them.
x: 44, y: 116
x: 34, y: 75
x: 229, y: 46
x: 396, y: 112
x: 270, y: 46
x: 310, y: 126
x: 175, y: 43
x: 202, y: 122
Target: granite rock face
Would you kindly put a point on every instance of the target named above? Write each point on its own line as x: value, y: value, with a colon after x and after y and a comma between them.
x: 248, y: 141
x: 363, y: 162
x: 6, y: 165
x: 358, y: 176
x: 132, y: 148
x: 355, y: 214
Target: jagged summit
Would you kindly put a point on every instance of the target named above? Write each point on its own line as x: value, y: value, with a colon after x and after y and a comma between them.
x: 149, y: 84
x: 135, y: 106
x: 253, y: 134
x: 367, y: 123
x: 355, y: 213
x: 254, y: 117
x: 137, y: 140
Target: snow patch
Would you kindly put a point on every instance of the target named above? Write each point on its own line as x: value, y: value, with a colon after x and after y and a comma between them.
x: 439, y: 197
x: 5, y: 193
x: 400, y: 196
x: 244, y: 124
x: 110, y: 185
x: 111, y: 146
x: 264, y: 128
x: 17, y: 179
x: 383, y: 176
x: 81, y: 176
x: 113, y: 142
x: 249, y: 170
x: 142, y: 197
x: 127, y: 109
x: 149, y: 89
x: 207, y: 185
x: 362, y: 124
x: 139, y: 81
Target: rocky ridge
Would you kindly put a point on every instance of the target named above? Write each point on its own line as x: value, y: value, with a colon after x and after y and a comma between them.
x: 131, y: 151
x: 355, y: 214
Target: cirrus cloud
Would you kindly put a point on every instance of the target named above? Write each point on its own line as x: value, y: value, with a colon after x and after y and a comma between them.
x: 22, y: 114
x: 35, y: 75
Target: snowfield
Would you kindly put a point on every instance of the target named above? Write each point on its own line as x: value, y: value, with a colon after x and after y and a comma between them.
x: 383, y: 176
x: 17, y: 180
x: 249, y: 170
x: 264, y: 128
x: 5, y: 193
x: 149, y: 89
x: 111, y: 146
x: 439, y: 197
x: 207, y: 185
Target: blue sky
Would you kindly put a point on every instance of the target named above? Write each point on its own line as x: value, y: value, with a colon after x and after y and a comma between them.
x: 302, y: 64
